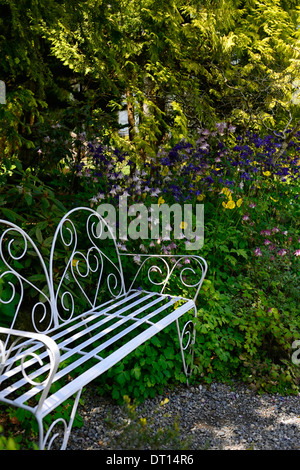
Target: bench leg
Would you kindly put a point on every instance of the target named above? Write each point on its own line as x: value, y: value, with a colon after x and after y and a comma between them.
x: 187, y: 338
x: 43, y: 441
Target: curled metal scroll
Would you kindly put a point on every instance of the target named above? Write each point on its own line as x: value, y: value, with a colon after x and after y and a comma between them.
x: 187, y: 336
x: 184, y: 269
x: 169, y: 270
x: 56, y: 435
x: 29, y: 356
x: 84, y: 260
x: 12, y: 240
x: 155, y: 268
x: 66, y: 428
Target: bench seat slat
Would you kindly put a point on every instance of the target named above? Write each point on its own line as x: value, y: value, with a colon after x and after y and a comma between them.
x: 68, y: 369
x: 63, y: 345
x: 104, y: 317
x: 62, y: 332
x: 76, y: 325
x: 86, y: 356
x: 72, y: 387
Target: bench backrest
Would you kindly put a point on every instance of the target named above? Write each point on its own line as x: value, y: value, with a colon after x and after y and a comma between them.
x: 82, y: 271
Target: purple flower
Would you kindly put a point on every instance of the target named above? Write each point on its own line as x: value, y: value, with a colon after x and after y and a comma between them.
x: 297, y: 253
x: 282, y: 252
x: 257, y: 252
x: 265, y: 232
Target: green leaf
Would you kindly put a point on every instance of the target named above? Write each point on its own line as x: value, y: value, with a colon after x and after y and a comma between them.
x: 231, y: 259
x: 59, y: 205
x: 242, y: 252
x: 39, y: 235
x: 137, y: 372
x: 10, y: 215
x: 28, y: 199
x: 36, y: 277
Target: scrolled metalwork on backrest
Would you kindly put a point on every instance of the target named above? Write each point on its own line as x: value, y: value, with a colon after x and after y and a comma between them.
x: 170, y: 273
x: 83, y: 269
x: 24, y: 281
x: 85, y: 266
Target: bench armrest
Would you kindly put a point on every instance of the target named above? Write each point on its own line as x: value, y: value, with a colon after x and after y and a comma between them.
x: 30, y: 349
x: 167, y: 270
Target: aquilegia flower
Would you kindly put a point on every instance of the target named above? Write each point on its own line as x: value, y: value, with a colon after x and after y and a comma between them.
x: 257, y: 252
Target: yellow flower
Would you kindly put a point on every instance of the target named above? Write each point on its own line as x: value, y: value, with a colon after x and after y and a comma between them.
x: 74, y: 262
x: 227, y: 192
x: 228, y: 205
x: 143, y: 421
x: 239, y: 202
x: 160, y: 201
x: 183, y: 225
x: 165, y: 171
x: 200, y: 197
x: 164, y: 402
x: 275, y: 200
x: 266, y: 173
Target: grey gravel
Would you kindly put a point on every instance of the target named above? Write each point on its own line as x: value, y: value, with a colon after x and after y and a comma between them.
x: 218, y: 417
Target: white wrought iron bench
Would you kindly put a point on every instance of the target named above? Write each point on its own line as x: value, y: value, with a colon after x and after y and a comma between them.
x: 66, y: 320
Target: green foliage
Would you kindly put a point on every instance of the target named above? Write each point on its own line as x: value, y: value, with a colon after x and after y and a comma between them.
x: 28, y: 423
x: 174, y: 66
x: 247, y: 309
x: 146, y: 371
x: 248, y: 304
x: 16, y: 121
x: 7, y: 443
x: 177, y: 68
x: 30, y: 197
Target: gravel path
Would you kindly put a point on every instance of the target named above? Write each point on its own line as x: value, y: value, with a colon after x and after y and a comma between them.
x: 219, y: 417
